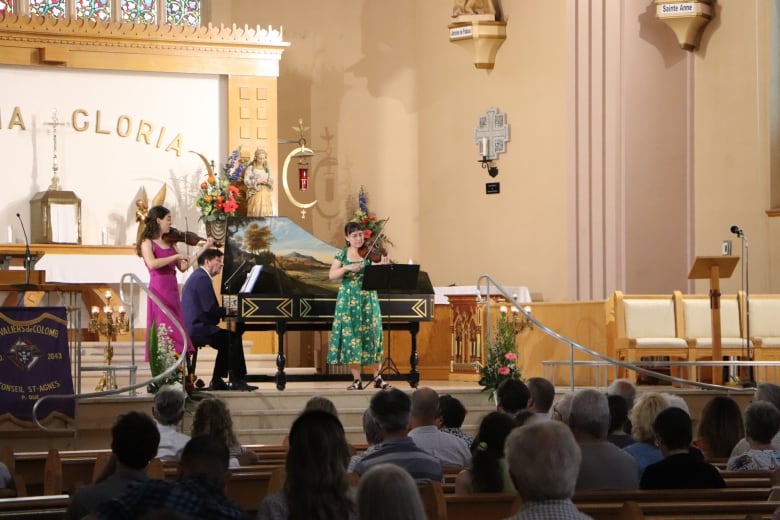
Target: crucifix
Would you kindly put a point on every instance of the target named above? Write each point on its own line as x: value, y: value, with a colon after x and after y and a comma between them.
x: 54, y: 123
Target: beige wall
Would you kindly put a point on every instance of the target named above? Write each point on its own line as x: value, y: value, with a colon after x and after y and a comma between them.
x: 628, y: 156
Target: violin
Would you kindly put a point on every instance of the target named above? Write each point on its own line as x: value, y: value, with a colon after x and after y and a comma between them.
x: 373, y: 252
x: 188, y: 237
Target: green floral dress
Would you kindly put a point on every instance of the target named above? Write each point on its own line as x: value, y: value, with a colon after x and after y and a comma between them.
x: 356, y: 336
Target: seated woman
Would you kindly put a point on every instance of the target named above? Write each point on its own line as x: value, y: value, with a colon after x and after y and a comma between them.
x: 316, y: 484
x: 647, y: 406
x: 488, y: 471
x: 720, y: 428
x: 679, y: 469
x: 213, y: 418
x: 762, y: 422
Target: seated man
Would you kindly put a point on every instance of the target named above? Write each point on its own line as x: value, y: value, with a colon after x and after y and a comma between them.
x: 202, y: 313
x: 542, y: 393
x: 134, y: 440
x: 450, y: 450
x: 544, y: 461
x: 390, y: 409
x: 604, y: 465
x: 168, y: 412
x: 512, y: 396
x: 199, y: 493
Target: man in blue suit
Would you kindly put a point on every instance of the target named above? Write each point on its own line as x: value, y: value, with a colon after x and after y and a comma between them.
x: 202, y: 313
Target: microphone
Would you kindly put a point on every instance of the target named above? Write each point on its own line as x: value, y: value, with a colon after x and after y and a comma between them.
x: 27, y: 259
x: 737, y: 231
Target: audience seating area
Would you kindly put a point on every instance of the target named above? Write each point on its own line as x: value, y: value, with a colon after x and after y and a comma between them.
x: 748, y: 495
x: 679, y: 326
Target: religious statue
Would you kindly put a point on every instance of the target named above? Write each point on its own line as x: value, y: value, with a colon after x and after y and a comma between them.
x: 142, y: 208
x: 474, y: 9
x: 259, y: 185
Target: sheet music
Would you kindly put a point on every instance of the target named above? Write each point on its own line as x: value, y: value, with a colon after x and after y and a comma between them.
x: 251, y: 279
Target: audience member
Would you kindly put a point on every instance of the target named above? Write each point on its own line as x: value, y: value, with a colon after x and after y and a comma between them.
x: 526, y: 416
x: 452, y: 413
x: 373, y: 433
x: 764, y: 392
x: 318, y: 402
x: 488, y: 471
x: 134, y: 441
x: 390, y: 409
x: 562, y: 409
x: 679, y: 469
x: 648, y: 405
x: 387, y: 492
x: 544, y: 460
x: 720, y: 428
x: 316, y: 484
x: 168, y: 411
x: 542, y: 393
x: 604, y: 465
x: 5, y: 476
x: 212, y: 417
x: 627, y: 390
x: 450, y: 450
x: 199, y: 492
x: 676, y: 401
x: 762, y: 422
x: 618, y: 417
x: 512, y: 395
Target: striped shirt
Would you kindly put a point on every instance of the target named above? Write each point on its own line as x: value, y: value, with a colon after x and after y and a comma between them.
x: 402, y: 451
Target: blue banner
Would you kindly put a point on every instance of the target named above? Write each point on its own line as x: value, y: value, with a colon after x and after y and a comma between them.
x: 34, y: 362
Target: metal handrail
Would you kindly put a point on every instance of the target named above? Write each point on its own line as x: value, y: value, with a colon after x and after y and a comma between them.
x: 133, y: 281
x: 573, y: 345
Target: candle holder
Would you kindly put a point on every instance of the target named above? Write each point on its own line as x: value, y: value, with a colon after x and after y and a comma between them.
x: 108, y: 323
x: 515, y: 319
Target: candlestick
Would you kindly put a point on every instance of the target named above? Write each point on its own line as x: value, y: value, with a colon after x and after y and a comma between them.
x: 503, y: 309
x: 483, y: 147
x: 108, y: 294
x: 10, y: 234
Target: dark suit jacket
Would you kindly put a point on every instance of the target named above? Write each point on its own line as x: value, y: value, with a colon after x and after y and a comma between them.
x: 200, y: 306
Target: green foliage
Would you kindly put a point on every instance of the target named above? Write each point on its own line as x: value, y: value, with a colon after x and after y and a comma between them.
x: 501, y: 362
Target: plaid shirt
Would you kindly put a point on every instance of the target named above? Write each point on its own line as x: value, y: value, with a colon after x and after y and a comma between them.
x: 199, y: 497
x: 550, y: 510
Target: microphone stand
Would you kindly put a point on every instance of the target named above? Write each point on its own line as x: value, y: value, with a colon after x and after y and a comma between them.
x: 749, y: 382
x: 28, y: 261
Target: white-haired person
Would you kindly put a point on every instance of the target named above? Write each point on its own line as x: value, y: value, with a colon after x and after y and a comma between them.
x: 544, y: 461
x: 388, y: 492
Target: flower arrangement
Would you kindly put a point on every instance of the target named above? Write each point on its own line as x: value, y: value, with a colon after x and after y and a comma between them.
x: 219, y: 194
x: 501, y: 362
x: 371, y: 224
x: 162, y: 356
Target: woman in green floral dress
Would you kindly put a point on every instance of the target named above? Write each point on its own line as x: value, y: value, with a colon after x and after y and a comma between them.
x: 356, y: 338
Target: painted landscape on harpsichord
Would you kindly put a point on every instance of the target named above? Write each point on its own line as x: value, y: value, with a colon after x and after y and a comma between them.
x: 294, y: 261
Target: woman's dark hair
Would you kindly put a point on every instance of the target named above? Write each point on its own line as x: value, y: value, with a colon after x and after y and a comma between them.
x: 351, y: 227
x: 316, y: 483
x: 721, y: 426
x: 618, y: 412
x: 487, y: 450
x: 151, y: 227
x: 452, y: 411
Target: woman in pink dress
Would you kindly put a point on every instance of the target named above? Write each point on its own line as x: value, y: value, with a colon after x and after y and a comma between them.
x: 162, y: 259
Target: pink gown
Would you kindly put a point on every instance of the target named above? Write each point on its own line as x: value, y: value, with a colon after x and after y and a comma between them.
x: 164, y: 285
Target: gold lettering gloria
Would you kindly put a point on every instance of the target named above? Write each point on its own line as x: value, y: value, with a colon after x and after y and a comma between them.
x: 140, y: 130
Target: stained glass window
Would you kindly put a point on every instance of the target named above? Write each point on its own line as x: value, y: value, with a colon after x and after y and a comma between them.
x: 95, y: 10
x: 53, y: 8
x: 182, y: 12
x: 7, y: 6
x: 139, y: 11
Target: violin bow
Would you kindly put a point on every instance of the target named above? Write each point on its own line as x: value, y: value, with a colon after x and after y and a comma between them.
x: 378, y: 236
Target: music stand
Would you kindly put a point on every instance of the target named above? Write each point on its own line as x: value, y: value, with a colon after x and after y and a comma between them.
x: 385, y: 278
x: 714, y: 268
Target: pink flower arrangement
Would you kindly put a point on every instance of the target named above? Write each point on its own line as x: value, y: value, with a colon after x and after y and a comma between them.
x: 501, y: 360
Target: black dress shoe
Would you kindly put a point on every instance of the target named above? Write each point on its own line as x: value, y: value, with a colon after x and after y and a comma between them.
x: 242, y: 385
x: 218, y: 384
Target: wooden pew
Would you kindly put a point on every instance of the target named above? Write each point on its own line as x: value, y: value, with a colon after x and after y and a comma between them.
x: 482, y: 506
x: 711, y: 510
x: 43, y: 507
x: 672, y: 495
x: 248, y: 488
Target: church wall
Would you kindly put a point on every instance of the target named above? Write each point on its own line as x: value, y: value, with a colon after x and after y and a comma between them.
x: 105, y: 169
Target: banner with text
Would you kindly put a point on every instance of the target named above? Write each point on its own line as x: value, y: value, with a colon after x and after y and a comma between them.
x: 34, y: 362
